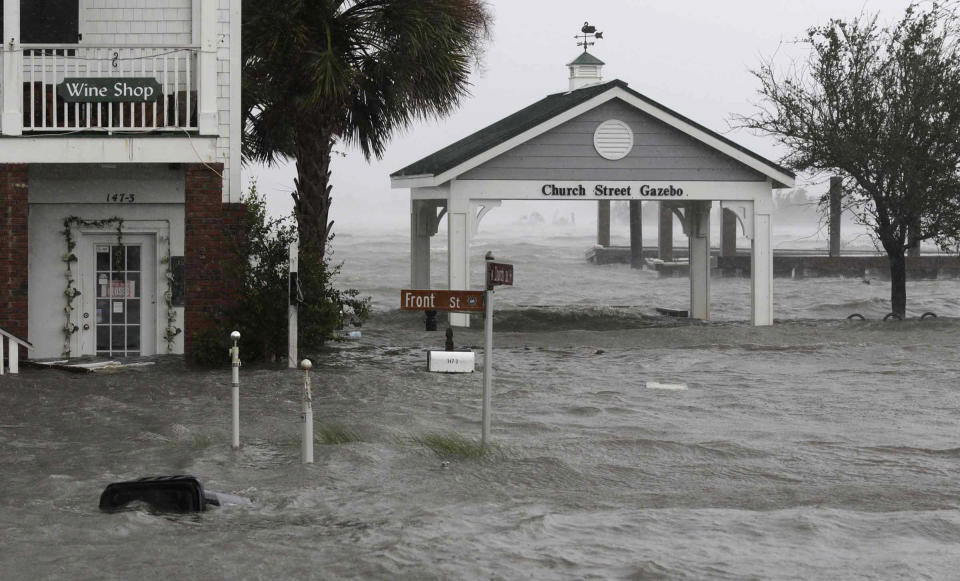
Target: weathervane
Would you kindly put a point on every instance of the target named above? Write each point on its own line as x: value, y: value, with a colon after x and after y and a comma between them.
x: 588, y: 33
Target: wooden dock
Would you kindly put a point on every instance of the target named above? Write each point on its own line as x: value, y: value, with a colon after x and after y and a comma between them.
x: 790, y: 263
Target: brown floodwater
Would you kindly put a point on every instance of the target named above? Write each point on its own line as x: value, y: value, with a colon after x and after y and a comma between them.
x: 808, y: 450
x: 817, y: 448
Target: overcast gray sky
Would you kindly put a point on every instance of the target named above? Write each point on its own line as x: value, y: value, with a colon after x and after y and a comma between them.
x: 693, y: 56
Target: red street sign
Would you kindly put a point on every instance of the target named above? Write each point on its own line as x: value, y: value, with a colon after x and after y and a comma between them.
x: 441, y: 300
x: 499, y: 273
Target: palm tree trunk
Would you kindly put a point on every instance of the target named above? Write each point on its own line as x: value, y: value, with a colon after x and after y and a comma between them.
x: 312, y: 196
x: 898, y: 283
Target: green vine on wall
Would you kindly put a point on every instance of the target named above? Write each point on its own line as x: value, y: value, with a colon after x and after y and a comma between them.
x: 171, y: 332
x: 71, y: 292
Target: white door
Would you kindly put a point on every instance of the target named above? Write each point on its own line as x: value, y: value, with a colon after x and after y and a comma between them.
x: 119, y: 306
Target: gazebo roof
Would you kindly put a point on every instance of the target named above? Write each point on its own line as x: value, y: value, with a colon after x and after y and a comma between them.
x: 460, y: 154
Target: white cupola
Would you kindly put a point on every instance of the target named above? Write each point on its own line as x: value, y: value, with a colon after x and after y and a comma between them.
x: 585, y: 70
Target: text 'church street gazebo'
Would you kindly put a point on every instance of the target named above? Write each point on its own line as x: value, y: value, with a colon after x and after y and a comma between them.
x: 597, y: 141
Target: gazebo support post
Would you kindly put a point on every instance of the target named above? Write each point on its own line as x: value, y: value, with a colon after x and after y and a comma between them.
x: 420, y: 233
x: 458, y: 257
x: 698, y: 232
x: 761, y: 270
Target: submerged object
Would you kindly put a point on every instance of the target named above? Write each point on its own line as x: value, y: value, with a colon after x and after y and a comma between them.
x: 667, y: 386
x: 179, y: 493
x: 856, y: 316
x: 672, y: 312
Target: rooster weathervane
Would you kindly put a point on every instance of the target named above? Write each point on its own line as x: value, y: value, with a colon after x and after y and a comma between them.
x: 589, y: 32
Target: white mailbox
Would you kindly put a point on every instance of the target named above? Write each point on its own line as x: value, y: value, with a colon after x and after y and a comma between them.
x: 451, y: 361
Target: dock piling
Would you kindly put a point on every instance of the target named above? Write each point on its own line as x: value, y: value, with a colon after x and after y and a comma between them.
x: 636, y: 235
x: 603, y: 223
x: 836, y: 194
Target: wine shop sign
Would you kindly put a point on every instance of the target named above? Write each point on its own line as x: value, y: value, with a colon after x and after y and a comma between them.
x: 109, y: 90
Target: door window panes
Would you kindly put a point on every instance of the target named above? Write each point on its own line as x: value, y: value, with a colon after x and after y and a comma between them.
x: 118, y: 299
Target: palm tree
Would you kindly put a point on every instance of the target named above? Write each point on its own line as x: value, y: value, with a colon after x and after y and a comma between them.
x: 318, y: 73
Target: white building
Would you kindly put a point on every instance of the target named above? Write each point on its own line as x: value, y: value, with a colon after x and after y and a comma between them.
x: 119, y: 172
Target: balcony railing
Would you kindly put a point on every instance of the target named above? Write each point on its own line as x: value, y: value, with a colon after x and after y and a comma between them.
x: 46, y: 66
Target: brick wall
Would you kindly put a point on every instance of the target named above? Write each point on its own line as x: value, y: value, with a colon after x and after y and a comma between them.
x: 13, y: 249
x: 211, y: 230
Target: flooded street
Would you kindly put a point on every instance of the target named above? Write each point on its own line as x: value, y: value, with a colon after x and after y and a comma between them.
x: 814, y: 449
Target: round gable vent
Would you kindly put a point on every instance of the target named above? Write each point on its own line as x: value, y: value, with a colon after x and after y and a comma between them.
x: 613, y: 139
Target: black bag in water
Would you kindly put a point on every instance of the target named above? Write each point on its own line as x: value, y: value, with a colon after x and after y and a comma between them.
x: 165, y: 493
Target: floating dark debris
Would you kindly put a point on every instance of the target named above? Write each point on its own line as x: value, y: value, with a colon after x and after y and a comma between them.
x: 180, y: 493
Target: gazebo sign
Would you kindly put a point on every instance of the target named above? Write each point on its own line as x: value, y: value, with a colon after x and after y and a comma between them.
x: 606, y: 191
x: 109, y: 90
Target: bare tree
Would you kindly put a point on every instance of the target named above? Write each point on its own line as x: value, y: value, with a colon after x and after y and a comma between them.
x: 879, y: 106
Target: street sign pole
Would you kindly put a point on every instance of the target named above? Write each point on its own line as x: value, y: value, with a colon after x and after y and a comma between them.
x: 487, y: 366
x: 488, y: 348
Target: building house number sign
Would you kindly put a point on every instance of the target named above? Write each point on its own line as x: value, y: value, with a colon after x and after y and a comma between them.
x: 109, y: 90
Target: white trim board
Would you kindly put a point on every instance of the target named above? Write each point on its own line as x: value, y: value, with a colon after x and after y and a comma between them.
x: 113, y: 149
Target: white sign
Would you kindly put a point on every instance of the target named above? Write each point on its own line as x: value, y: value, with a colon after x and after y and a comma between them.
x: 613, y: 191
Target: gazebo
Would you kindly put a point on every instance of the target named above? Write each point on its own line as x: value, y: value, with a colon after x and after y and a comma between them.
x: 597, y: 141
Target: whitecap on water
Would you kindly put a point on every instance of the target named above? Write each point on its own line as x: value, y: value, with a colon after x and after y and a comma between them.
x: 666, y: 386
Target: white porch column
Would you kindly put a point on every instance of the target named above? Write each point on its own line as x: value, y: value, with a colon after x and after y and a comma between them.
x: 458, y: 246
x: 207, y: 117
x: 698, y: 232
x: 12, y: 120
x: 423, y: 225
x: 761, y: 270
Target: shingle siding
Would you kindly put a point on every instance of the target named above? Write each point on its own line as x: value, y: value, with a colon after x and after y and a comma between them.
x: 660, y: 153
x: 170, y: 23
x: 136, y: 21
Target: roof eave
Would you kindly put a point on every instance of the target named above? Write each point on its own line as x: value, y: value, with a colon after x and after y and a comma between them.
x: 412, y: 181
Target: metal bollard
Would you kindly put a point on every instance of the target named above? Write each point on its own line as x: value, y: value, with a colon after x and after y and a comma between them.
x: 235, y: 388
x: 306, y: 446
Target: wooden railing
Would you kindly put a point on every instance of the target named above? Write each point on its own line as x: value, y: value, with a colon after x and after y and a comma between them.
x: 46, y: 66
x: 12, y: 349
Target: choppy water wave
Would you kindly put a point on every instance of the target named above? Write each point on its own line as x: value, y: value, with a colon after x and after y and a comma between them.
x: 546, y: 318
x: 551, y: 272
x: 817, y: 448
